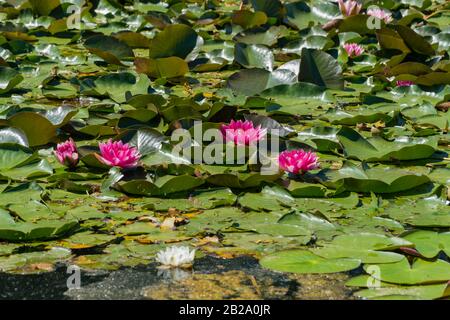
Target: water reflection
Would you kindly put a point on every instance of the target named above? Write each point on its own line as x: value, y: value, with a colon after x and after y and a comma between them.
x: 174, y: 274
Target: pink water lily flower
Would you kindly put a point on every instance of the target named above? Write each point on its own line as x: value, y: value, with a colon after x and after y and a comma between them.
x: 350, y: 7
x: 298, y: 161
x: 118, y: 154
x: 67, y: 153
x: 404, y: 83
x: 242, y: 132
x: 380, y: 14
x: 353, y: 49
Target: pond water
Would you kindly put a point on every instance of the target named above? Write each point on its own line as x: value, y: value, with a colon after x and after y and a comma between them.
x: 309, y: 137
x: 210, y: 278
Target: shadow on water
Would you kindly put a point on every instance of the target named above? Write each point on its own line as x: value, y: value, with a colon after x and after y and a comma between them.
x: 42, y: 286
x: 211, y: 278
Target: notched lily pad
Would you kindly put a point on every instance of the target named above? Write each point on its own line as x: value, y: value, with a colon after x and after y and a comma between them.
x: 303, y: 261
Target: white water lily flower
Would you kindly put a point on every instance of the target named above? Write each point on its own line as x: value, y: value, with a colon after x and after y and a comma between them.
x: 176, y: 257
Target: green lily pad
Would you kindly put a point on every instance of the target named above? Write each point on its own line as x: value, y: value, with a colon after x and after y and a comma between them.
x: 12, y: 155
x: 424, y: 292
x: 248, y: 19
x: 170, y: 67
x: 369, y: 248
x: 378, y: 149
x: 302, y: 261
x: 115, y: 85
x: 19, y: 262
x: 162, y: 186
x: 430, y: 243
x: 291, y: 96
x: 177, y: 40
x: 320, y: 68
x: 241, y: 180
x: 38, y: 129
x: 26, y: 231
x: 202, y: 200
x: 379, y: 179
x: 44, y: 7
x: 430, y: 212
x: 269, y: 199
x: 254, y: 56
x: 420, y: 272
x: 303, y: 14
x: 110, y: 49
x: 9, y: 78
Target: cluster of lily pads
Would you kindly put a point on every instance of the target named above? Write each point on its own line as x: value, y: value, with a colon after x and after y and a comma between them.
x: 358, y: 91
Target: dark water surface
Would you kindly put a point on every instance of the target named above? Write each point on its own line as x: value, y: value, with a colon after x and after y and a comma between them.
x: 211, y: 278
